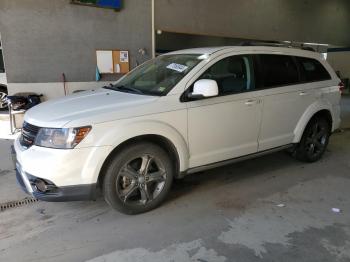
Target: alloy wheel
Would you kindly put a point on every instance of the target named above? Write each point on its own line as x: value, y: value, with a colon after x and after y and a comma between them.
x: 316, y: 141
x: 141, y: 180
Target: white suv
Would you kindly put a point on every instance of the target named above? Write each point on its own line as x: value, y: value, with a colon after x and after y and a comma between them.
x: 179, y: 113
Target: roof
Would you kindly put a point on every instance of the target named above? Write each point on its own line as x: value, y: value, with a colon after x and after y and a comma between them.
x: 200, y: 50
x: 268, y: 49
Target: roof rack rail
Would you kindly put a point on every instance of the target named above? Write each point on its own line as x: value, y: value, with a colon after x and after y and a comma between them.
x: 257, y: 43
x: 276, y: 44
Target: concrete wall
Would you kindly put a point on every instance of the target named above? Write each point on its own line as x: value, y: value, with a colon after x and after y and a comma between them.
x: 43, y: 39
x: 322, y: 21
x: 176, y: 41
x: 340, y: 61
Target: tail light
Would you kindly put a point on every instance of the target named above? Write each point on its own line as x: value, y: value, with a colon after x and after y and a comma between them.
x: 341, y: 87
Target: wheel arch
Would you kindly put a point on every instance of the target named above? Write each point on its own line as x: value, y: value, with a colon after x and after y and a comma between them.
x: 159, y: 140
x: 311, y: 113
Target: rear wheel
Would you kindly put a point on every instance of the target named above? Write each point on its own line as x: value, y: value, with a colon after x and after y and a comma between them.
x: 314, y: 140
x: 138, y: 179
x: 3, y: 96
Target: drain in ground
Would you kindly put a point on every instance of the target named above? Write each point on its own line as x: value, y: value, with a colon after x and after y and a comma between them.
x: 17, y: 203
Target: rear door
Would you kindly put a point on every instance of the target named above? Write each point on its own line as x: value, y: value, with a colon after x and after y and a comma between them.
x: 285, y: 98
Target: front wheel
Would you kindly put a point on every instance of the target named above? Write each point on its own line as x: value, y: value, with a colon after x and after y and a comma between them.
x: 138, y: 179
x: 314, y: 140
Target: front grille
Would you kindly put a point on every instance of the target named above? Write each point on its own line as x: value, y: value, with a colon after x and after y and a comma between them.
x: 29, y: 133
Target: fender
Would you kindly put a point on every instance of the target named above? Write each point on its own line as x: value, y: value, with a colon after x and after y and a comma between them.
x: 308, y: 114
x: 128, y: 130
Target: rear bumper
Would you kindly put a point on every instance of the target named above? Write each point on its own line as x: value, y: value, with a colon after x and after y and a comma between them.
x: 53, y: 193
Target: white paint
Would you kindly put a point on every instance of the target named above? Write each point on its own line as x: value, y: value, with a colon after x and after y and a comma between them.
x: 202, y: 132
x: 206, y: 88
x: 183, y: 252
x: 265, y: 223
x: 52, y: 90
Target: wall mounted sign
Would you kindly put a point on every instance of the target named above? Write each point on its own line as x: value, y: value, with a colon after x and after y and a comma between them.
x: 112, y: 61
x: 113, y: 4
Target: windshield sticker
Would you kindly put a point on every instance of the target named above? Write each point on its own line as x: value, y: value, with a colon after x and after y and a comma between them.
x: 161, y: 89
x: 177, y: 67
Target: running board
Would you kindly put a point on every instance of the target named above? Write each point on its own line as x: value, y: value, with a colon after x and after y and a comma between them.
x: 234, y: 160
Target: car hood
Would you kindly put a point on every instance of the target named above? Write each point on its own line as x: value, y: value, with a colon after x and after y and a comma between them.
x: 88, y: 107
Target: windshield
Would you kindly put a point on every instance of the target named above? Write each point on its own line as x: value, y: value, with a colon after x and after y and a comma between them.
x: 157, y: 76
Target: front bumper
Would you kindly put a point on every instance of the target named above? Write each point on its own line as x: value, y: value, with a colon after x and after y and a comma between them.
x: 53, y: 193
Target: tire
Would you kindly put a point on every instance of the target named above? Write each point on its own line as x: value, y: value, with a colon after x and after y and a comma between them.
x: 3, y: 95
x: 138, y: 178
x: 314, y: 141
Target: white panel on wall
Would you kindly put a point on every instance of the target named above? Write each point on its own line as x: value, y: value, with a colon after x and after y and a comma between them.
x: 104, y: 61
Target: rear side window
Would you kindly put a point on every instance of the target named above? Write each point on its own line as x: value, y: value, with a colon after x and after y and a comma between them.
x: 2, y: 68
x: 312, y: 70
x: 278, y: 70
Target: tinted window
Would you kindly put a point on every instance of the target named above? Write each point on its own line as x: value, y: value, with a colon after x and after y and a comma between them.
x: 312, y: 70
x: 233, y: 74
x: 2, y: 68
x: 278, y: 70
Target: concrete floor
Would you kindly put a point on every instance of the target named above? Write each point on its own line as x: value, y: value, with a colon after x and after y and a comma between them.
x: 269, y: 209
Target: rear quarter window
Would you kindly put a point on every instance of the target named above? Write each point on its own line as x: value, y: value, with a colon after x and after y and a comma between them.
x: 312, y: 70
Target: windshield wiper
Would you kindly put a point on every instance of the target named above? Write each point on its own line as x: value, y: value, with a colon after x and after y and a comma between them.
x: 110, y: 86
x: 131, y: 89
x: 123, y: 88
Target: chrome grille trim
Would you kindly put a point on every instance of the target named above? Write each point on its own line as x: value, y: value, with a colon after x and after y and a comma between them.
x: 29, y: 133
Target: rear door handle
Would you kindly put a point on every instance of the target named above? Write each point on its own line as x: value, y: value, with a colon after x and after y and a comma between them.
x: 251, y: 102
x: 303, y: 93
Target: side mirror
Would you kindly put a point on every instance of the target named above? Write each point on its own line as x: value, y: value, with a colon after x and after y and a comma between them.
x: 204, y: 88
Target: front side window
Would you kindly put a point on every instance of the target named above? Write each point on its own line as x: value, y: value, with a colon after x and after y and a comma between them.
x: 312, y: 70
x: 278, y: 70
x: 2, y: 67
x: 233, y: 74
x: 158, y: 76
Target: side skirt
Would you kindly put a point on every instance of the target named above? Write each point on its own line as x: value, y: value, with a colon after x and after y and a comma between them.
x: 233, y: 160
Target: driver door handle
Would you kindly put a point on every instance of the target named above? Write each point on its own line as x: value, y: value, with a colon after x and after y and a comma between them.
x: 251, y: 102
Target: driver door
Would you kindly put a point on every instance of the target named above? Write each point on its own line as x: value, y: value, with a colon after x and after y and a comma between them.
x: 225, y: 126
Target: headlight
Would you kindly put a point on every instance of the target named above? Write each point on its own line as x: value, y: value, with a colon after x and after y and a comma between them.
x: 63, y: 138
